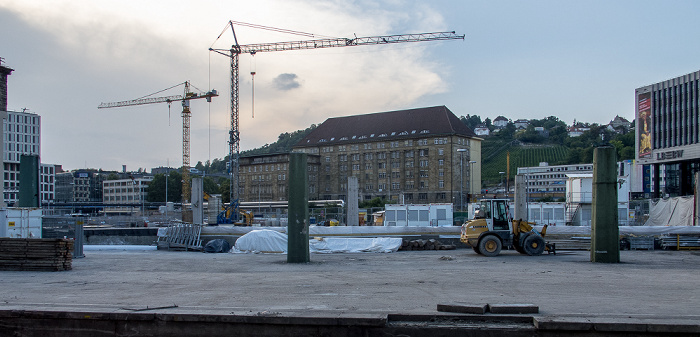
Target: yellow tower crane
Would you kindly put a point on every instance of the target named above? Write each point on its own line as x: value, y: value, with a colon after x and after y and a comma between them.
x: 231, y: 213
x: 185, y: 98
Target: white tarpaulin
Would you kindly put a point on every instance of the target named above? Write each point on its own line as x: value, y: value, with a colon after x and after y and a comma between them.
x: 270, y: 241
x: 672, y: 212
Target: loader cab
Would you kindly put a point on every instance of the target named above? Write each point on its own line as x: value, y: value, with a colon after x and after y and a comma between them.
x: 495, y: 212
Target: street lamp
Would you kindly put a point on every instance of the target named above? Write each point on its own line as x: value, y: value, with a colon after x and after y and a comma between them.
x: 461, y: 178
x: 502, y: 183
x: 469, y: 182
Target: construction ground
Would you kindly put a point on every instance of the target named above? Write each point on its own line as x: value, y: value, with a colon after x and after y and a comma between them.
x: 139, y: 293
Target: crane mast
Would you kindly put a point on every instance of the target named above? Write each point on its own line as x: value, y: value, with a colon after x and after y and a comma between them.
x: 186, y: 114
x: 231, y: 214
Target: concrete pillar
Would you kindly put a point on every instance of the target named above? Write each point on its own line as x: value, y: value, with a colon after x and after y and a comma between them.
x: 697, y: 197
x: 197, y: 200
x: 520, y: 198
x: 28, y: 181
x: 605, y: 234
x: 3, y: 116
x: 353, y: 215
x: 298, y: 224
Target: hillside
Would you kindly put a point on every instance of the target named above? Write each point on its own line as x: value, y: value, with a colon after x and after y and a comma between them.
x: 495, y: 152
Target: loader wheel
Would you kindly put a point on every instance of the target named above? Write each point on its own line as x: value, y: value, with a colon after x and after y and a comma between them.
x: 476, y: 250
x: 534, y: 245
x: 490, y: 245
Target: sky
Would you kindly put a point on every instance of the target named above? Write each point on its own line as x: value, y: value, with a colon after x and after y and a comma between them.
x: 575, y: 60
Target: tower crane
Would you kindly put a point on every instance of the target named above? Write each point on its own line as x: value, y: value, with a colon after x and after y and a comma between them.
x: 185, y: 98
x: 231, y: 213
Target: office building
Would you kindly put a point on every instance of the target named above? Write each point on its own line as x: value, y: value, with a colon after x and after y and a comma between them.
x: 668, y: 135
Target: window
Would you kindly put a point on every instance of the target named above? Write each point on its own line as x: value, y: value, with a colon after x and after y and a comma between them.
x: 441, y: 184
x: 441, y: 162
x: 441, y: 151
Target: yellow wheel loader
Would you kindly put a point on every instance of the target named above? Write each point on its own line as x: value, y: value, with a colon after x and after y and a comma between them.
x: 492, y: 229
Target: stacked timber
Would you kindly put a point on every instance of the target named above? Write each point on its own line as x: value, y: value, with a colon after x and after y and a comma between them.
x: 36, y: 254
x: 421, y: 244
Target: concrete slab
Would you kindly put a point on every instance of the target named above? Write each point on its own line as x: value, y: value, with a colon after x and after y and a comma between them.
x: 647, y: 284
x: 513, y: 308
x: 463, y: 308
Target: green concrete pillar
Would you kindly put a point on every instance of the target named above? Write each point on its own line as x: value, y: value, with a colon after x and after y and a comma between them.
x: 298, y: 224
x: 605, y: 235
x: 28, y: 181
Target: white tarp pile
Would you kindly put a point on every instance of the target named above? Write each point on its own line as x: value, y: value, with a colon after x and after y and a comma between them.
x: 672, y: 212
x: 269, y: 241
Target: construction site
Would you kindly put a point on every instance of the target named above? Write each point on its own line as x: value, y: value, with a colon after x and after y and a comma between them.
x: 326, y: 267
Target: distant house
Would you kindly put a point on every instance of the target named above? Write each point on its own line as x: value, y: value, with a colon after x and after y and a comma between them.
x: 500, y: 122
x: 482, y: 130
x: 619, y: 124
x: 577, y: 129
x: 522, y: 124
x: 542, y: 132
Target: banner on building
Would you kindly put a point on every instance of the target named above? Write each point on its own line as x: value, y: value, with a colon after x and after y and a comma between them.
x: 644, y: 125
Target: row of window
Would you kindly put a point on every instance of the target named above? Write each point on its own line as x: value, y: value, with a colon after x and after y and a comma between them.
x: 675, y: 119
x: 382, y: 145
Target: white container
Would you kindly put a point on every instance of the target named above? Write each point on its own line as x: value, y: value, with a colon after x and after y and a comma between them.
x: 420, y: 215
x: 20, y: 223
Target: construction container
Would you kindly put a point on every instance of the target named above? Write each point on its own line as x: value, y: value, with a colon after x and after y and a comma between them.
x: 418, y: 215
x: 20, y: 223
x: 641, y: 242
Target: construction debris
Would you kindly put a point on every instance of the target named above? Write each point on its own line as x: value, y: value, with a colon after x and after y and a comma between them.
x: 36, y: 254
x: 421, y: 244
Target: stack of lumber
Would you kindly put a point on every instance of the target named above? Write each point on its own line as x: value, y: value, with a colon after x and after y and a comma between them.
x: 421, y: 244
x: 36, y: 254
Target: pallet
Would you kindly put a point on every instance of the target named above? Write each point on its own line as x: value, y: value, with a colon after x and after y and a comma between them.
x: 36, y: 254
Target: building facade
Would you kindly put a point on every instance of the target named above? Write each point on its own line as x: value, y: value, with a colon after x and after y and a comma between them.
x: 47, y: 184
x: 79, y: 186
x: 125, y: 195
x: 424, y: 155
x: 668, y: 135
x: 550, y: 181
x: 266, y: 177
x: 22, y: 136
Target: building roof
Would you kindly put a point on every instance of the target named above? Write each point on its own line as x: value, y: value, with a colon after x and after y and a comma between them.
x: 500, y: 118
x: 400, y: 124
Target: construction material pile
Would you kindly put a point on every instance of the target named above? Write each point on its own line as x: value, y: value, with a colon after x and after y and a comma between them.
x: 36, y: 254
x: 420, y: 244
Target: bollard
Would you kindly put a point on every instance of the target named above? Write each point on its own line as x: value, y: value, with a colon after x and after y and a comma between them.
x: 605, y: 235
x: 298, y: 210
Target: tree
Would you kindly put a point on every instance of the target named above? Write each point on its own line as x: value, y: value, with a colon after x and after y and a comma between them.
x: 199, y: 166
x: 157, y: 186
x: 113, y: 176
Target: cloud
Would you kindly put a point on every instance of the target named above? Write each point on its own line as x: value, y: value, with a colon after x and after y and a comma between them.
x: 286, y: 82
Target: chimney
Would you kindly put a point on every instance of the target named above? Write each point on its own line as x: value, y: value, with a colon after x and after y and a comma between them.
x: 4, y: 72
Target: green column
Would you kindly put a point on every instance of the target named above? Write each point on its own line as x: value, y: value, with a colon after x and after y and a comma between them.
x: 298, y: 224
x: 605, y: 235
x: 28, y: 181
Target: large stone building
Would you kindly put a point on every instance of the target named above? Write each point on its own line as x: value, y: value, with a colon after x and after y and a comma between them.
x: 424, y: 155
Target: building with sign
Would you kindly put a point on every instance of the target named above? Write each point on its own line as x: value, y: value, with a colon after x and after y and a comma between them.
x: 668, y: 135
